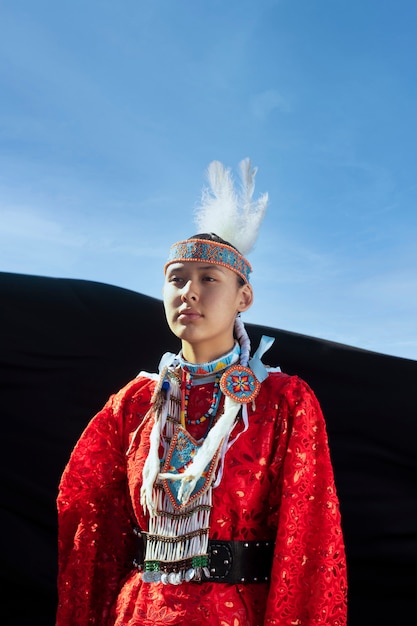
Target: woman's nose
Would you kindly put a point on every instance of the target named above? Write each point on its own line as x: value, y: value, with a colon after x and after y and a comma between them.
x: 189, y: 291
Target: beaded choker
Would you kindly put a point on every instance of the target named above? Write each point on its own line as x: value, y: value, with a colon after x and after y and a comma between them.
x: 204, y: 369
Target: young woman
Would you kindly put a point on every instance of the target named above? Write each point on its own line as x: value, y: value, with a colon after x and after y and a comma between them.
x: 204, y: 494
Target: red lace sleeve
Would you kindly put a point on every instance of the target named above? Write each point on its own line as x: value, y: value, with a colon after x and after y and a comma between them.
x: 308, y: 584
x: 94, y: 514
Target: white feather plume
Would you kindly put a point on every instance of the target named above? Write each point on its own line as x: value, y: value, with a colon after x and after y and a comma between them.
x: 231, y: 214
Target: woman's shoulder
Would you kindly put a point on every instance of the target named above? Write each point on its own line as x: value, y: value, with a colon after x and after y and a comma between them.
x: 277, y: 378
x: 280, y: 383
x: 139, y: 390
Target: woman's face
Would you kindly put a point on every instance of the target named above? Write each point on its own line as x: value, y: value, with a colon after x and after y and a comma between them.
x: 201, y: 303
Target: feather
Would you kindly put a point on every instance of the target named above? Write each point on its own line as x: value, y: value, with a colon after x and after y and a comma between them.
x: 233, y: 216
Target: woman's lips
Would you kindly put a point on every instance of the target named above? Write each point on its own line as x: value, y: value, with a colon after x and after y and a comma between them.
x: 188, y: 314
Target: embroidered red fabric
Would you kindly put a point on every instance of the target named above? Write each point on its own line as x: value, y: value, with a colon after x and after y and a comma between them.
x: 277, y: 484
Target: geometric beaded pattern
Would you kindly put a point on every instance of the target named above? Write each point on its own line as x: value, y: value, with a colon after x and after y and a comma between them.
x: 181, y: 452
x: 240, y: 384
x: 209, y: 252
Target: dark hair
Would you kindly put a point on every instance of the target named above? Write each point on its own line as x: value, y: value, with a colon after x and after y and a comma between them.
x: 213, y: 237
x: 217, y: 239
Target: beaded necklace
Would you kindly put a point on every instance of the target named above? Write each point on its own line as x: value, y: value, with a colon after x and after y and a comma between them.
x: 215, y: 367
x: 186, y: 384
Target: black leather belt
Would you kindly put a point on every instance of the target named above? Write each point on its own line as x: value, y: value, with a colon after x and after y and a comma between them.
x: 240, y: 561
x: 229, y: 561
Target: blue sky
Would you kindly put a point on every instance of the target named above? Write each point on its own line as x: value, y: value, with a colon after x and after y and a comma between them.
x: 111, y: 111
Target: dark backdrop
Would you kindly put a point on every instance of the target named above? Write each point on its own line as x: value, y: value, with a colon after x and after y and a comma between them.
x: 66, y: 345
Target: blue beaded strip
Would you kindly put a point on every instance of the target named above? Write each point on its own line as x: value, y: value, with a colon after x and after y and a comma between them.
x: 210, y: 367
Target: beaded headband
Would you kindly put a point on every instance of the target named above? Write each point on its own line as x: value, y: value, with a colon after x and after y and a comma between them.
x: 206, y: 251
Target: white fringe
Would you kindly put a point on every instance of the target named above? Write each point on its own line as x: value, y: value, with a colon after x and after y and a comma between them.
x: 152, y: 464
x: 186, y: 534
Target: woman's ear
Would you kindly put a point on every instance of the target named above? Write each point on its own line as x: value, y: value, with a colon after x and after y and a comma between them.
x: 246, y: 298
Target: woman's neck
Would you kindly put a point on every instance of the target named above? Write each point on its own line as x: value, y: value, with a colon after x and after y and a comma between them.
x: 196, y: 354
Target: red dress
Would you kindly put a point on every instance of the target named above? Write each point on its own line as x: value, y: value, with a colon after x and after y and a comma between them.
x: 277, y: 484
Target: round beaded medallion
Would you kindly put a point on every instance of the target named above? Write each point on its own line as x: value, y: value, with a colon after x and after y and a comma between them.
x: 240, y: 384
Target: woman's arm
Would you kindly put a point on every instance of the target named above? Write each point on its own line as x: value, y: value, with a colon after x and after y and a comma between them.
x: 308, y: 583
x: 94, y: 513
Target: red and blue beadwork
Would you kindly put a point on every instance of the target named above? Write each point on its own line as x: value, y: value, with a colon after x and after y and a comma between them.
x: 240, y: 384
x: 209, y: 252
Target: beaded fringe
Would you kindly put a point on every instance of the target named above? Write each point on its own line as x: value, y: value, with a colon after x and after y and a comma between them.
x: 177, y: 542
